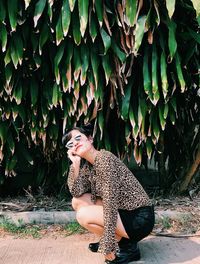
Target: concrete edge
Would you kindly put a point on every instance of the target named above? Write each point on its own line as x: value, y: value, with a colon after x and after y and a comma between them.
x: 61, y: 217
x: 55, y: 217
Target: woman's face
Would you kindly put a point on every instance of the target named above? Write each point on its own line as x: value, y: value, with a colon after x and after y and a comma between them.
x: 79, y: 143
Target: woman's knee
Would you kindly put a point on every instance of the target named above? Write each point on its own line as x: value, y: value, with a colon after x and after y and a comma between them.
x: 81, y: 216
x: 75, y: 203
x: 83, y: 200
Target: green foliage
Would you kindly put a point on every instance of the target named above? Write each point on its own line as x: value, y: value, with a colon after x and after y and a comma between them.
x: 20, y: 229
x: 73, y: 228
x: 165, y: 221
x: 67, y: 62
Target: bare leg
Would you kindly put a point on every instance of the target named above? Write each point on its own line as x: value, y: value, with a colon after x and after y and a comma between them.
x: 84, y: 200
x: 91, y: 218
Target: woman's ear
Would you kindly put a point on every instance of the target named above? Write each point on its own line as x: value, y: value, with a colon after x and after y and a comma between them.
x: 90, y: 139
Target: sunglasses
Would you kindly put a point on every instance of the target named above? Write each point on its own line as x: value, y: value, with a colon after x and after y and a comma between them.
x: 70, y: 143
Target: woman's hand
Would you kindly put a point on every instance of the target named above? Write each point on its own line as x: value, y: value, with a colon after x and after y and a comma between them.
x: 73, y: 157
x: 110, y: 256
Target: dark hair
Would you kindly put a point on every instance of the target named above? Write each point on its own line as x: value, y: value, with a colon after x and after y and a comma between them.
x: 87, y: 130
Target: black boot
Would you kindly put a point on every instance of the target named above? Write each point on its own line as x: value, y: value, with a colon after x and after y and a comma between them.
x: 94, y: 247
x: 129, y: 251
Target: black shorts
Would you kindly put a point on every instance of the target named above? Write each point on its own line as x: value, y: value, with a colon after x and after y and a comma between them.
x: 138, y: 223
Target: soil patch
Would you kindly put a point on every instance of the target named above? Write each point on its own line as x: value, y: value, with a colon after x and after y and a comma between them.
x: 189, y: 224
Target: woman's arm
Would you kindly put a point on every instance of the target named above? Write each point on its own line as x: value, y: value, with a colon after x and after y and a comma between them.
x: 78, y: 178
x: 110, y: 182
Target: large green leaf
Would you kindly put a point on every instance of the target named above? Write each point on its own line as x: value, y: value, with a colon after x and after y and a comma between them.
x: 172, y: 115
x: 101, y: 123
x: 77, y: 64
x: 107, y: 67
x: 161, y: 116
x: 155, y: 126
x: 12, y: 12
x: 83, y: 15
x: 2, y: 11
x: 55, y: 95
x: 93, y: 26
x: 76, y: 28
x: 196, y: 5
x: 50, y: 11
x: 139, y: 33
x: 39, y: 8
x: 3, y: 37
x: 44, y: 35
x: 106, y: 40
x: 170, y: 7
x: 120, y: 54
x: 27, y: 3
x: 99, y: 10
x: 163, y: 72
x: 57, y: 60
x: 85, y: 63
x: 155, y: 89
x: 3, y: 132
x: 16, y: 50
x: 7, y: 58
x: 95, y: 61
x: 8, y: 73
x: 133, y: 121
x: 166, y: 110
x: 126, y: 100
x: 131, y: 9
x: 18, y: 47
x: 138, y: 153
x: 66, y: 68
x: 142, y: 109
x: 172, y: 39
x: 59, y: 30
x: 180, y: 73
x: 149, y: 147
x: 17, y: 93
x: 72, y: 4
x: 146, y: 73
x: 66, y: 17
x: 163, y: 66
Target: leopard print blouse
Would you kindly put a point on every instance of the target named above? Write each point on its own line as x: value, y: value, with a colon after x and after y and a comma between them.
x: 109, y: 179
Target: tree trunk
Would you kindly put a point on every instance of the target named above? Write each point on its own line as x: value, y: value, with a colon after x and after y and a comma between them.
x: 191, y: 172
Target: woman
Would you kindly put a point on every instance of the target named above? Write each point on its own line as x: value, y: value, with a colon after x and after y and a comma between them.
x: 108, y: 199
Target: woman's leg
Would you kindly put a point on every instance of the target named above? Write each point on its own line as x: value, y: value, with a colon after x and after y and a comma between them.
x: 91, y: 218
x: 84, y: 200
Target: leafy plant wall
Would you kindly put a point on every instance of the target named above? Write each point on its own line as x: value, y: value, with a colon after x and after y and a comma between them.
x: 129, y: 66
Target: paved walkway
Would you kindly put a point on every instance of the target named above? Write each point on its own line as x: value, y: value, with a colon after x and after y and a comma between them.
x: 73, y: 250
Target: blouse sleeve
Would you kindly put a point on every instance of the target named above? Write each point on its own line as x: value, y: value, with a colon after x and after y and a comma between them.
x: 81, y: 184
x: 107, y: 170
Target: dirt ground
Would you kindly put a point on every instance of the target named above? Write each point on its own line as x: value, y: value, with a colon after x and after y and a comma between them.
x: 186, y: 226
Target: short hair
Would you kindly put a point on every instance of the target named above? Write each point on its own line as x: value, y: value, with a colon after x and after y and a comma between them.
x: 87, y: 130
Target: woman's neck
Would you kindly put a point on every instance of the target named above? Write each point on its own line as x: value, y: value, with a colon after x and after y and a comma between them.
x: 91, y: 155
